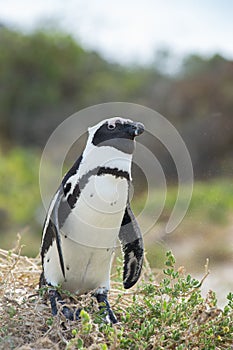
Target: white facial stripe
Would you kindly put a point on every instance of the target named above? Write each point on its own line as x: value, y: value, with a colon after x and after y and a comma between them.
x: 115, y: 120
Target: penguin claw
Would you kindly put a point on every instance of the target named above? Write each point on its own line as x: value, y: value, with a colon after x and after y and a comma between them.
x: 70, y: 314
x: 111, y: 318
x: 104, y: 306
x: 55, y: 300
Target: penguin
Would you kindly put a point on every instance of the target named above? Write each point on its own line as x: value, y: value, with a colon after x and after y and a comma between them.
x: 88, y: 215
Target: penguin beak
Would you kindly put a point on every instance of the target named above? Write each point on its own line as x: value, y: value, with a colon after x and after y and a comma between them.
x: 136, y: 129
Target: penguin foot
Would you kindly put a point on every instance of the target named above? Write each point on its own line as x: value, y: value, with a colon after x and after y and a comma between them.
x: 55, y: 300
x: 104, y: 306
x: 72, y: 315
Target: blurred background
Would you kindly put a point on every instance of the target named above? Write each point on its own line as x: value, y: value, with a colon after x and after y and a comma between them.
x: 58, y: 57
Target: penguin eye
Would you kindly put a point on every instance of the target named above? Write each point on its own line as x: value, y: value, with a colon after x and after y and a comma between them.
x: 111, y: 126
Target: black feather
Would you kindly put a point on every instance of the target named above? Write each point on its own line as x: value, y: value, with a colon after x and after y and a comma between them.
x: 132, y: 247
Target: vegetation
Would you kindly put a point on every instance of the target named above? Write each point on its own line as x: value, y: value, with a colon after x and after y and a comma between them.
x: 161, y: 312
x: 211, y: 201
x: 19, y: 190
x: 46, y: 76
x: 20, y: 198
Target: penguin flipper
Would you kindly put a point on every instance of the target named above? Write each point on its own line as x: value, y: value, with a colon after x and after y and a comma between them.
x: 55, y: 228
x: 132, y: 246
x: 50, y: 234
x: 58, y: 214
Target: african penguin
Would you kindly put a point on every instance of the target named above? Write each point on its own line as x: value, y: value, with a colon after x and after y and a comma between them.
x: 88, y: 214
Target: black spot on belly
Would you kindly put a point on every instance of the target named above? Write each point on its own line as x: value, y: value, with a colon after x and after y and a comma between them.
x: 67, y: 267
x: 48, y: 260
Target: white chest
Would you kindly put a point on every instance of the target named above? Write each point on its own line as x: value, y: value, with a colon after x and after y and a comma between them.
x: 96, y: 218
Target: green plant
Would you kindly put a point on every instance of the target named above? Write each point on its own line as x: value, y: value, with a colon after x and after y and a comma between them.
x: 167, y: 313
x: 172, y: 315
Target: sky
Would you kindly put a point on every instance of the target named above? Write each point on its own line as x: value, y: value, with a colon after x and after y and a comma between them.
x: 131, y: 31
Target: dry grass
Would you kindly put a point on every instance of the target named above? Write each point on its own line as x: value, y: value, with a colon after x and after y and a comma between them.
x: 25, y: 317
x: 146, y: 313
x: 22, y: 316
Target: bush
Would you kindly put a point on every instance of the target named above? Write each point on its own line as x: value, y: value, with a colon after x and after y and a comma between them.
x: 171, y: 314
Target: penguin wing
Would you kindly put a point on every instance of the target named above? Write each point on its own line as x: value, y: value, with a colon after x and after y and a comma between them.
x: 55, y: 227
x: 59, y: 212
x: 51, y: 230
x: 132, y: 246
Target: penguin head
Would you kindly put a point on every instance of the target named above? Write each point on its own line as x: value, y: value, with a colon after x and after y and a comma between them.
x: 117, y: 132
